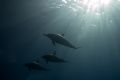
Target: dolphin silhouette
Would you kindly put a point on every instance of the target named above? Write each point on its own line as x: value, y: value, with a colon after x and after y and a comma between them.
x: 53, y: 58
x: 60, y: 39
x: 35, y: 66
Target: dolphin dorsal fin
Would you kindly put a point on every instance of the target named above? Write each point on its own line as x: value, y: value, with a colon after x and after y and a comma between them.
x: 62, y: 34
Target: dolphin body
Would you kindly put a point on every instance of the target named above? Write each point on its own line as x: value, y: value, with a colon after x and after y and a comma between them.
x: 35, y: 66
x: 53, y: 58
x: 60, y: 39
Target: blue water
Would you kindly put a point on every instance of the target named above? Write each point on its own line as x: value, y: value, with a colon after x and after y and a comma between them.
x: 21, y: 41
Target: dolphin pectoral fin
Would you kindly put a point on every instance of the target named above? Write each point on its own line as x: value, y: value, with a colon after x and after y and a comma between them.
x: 53, y: 42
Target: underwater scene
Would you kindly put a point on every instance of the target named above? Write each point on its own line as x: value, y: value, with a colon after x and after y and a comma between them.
x: 60, y: 40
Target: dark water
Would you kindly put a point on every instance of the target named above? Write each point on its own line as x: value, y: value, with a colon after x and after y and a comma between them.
x: 21, y: 41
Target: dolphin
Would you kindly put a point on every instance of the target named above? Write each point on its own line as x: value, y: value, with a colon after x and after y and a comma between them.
x: 60, y: 39
x: 53, y: 58
x: 35, y: 66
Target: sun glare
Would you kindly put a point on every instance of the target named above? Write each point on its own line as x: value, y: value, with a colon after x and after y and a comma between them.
x: 93, y: 5
x: 96, y: 6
